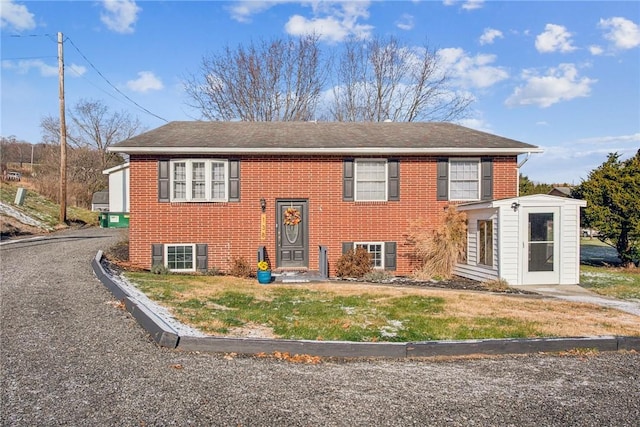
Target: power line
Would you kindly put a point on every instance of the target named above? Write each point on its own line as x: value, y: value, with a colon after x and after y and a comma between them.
x: 111, y: 84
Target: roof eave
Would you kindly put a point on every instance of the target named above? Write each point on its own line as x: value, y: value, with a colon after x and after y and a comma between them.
x: 325, y: 151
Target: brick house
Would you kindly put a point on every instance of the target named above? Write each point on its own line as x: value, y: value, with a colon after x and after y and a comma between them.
x: 205, y: 192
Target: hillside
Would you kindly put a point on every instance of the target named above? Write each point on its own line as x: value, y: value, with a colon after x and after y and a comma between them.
x: 37, y: 215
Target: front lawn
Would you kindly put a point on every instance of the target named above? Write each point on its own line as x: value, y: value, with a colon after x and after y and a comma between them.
x: 600, y: 272
x: 359, y: 312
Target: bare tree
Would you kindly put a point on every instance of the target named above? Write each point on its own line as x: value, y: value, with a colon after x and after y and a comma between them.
x: 92, y: 125
x: 380, y: 80
x: 278, y: 80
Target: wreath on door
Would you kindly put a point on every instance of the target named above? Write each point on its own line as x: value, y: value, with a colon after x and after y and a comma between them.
x: 292, y: 216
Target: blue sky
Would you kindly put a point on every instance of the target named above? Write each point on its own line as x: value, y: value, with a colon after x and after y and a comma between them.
x: 562, y: 75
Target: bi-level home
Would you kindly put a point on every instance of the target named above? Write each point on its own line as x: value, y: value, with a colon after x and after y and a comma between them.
x: 203, y: 193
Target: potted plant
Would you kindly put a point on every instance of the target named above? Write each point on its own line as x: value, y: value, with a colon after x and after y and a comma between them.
x: 264, y: 272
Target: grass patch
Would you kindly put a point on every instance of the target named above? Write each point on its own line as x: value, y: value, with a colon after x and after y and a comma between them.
x: 43, y: 209
x: 611, y: 281
x: 223, y: 305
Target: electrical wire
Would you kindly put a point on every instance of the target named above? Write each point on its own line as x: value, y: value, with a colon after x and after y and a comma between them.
x: 111, y: 84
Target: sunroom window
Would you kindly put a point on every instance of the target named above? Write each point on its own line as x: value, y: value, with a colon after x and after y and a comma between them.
x: 199, y: 180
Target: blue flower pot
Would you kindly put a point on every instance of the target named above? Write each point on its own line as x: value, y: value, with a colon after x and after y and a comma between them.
x: 264, y: 277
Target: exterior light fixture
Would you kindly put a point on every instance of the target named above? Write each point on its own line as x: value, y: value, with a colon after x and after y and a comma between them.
x: 263, y: 205
x: 515, y: 206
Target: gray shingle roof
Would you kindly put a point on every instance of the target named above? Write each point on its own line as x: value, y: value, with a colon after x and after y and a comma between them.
x: 318, y: 138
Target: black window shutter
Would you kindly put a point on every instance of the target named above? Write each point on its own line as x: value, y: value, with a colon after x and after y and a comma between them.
x: 163, y: 181
x: 393, y: 171
x: 157, y: 255
x: 487, y: 179
x: 234, y: 180
x: 390, y: 256
x: 443, y: 179
x: 348, y: 180
x: 346, y: 247
x: 201, y: 257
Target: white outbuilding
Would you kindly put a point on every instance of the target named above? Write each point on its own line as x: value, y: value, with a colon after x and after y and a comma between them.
x: 529, y: 240
x: 118, y: 188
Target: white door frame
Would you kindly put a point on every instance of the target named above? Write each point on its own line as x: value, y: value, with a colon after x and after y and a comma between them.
x: 540, y: 274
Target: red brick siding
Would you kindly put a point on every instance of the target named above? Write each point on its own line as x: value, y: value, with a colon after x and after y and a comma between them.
x: 233, y: 229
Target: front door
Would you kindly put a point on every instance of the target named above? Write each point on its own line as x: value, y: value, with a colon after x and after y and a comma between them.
x: 541, y: 254
x: 292, y: 231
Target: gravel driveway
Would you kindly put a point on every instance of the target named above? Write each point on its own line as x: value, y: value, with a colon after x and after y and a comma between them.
x: 70, y: 356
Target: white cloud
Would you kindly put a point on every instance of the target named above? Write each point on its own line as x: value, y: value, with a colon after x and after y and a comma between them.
x: 332, y: 21
x: 558, y: 84
x: 16, y: 16
x: 145, y: 82
x: 596, y: 50
x: 621, y: 32
x: 619, y: 139
x: 242, y: 10
x: 555, y: 38
x: 45, y: 70
x: 405, y: 22
x: 466, y: 5
x: 473, y: 4
x: 471, y: 71
x: 489, y: 35
x: 120, y: 15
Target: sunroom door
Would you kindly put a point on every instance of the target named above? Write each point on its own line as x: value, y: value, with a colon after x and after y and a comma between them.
x: 541, y: 246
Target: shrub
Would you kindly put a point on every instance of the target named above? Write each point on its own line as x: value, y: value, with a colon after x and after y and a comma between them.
x: 119, y: 251
x: 213, y: 271
x: 378, y: 276
x: 437, y: 251
x: 160, y: 269
x: 497, y: 285
x: 240, y: 267
x: 355, y: 263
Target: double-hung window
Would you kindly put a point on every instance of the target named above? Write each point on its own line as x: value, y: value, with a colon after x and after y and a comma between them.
x: 371, y: 180
x: 464, y: 179
x: 201, y: 180
x: 376, y: 250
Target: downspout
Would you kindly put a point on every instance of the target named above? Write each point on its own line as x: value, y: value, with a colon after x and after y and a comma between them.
x: 518, y: 169
x: 520, y: 246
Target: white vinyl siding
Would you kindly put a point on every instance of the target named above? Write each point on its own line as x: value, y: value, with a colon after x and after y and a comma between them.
x: 371, y: 180
x: 464, y: 179
x: 199, y: 180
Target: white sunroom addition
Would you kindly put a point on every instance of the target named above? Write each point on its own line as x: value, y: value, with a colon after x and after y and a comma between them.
x: 529, y: 240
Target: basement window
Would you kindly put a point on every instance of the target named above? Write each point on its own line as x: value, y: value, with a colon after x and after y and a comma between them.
x: 376, y: 250
x: 180, y: 258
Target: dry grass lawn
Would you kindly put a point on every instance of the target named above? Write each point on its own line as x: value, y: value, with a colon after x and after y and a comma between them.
x: 550, y: 317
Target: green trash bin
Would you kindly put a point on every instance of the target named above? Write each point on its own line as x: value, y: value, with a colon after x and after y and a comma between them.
x: 114, y: 219
x: 104, y: 219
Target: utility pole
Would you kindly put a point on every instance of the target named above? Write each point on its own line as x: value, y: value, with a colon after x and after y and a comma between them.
x: 63, y: 134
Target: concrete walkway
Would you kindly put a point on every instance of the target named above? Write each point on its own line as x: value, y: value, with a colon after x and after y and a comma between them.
x: 576, y: 293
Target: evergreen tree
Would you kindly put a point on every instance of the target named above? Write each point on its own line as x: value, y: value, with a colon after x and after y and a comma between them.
x: 612, y: 192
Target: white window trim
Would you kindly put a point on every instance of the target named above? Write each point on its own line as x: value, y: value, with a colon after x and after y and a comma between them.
x: 481, y: 243
x: 386, y: 180
x: 208, y: 178
x: 180, y: 270
x: 465, y: 159
x: 382, y: 252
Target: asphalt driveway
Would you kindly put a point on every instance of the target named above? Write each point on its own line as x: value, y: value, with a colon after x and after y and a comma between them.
x: 71, y: 356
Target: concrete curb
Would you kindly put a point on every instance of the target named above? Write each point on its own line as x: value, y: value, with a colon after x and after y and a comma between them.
x: 165, y: 336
